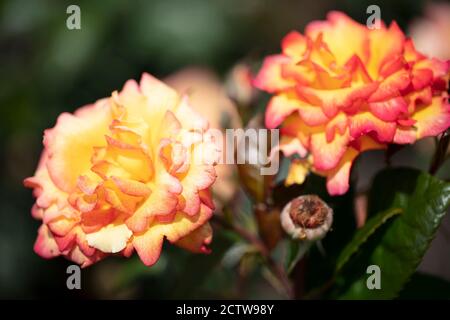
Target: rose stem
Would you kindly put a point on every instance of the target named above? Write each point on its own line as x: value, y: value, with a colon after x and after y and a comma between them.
x: 439, y: 154
x: 276, y: 269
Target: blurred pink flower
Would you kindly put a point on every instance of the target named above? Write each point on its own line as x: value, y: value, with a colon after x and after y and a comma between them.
x: 207, y: 96
x: 431, y: 34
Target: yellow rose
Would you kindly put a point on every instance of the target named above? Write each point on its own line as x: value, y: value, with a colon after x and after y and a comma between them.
x: 124, y: 174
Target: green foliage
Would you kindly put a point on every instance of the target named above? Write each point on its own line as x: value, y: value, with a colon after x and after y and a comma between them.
x: 397, y: 247
x: 363, y: 234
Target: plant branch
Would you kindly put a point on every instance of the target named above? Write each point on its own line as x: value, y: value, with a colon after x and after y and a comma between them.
x: 440, y: 153
x: 274, y: 267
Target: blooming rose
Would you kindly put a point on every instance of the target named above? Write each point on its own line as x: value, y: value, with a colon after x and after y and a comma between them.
x: 123, y: 174
x: 341, y: 89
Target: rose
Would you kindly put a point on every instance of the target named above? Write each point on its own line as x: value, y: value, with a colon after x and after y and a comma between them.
x: 120, y: 175
x: 341, y: 89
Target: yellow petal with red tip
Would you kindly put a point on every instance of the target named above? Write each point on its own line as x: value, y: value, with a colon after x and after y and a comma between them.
x: 338, y: 178
x: 389, y: 110
x: 46, y: 192
x: 45, y: 244
x: 335, y: 30
x: 432, y: 119
x: 326, y: 154
x: 132, y: 187
x: 365, y: 122
x: 198, y: 240
x: 332, y: 101
x: 391, y: 86
x: 70, y: 144
x: 148, y: 244
x: 385, y: 45
x: 294, y: 45
x: 269, y: 77
x: 279, y: 108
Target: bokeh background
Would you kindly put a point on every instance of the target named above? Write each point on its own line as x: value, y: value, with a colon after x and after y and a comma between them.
x: 46, y: 69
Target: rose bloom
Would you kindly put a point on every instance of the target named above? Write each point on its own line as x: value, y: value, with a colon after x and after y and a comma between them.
x: 123, y: 174
x: 341, y: 89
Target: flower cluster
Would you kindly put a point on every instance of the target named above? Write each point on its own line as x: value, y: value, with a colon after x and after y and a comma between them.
x: 120, y: 175
x: 341, y: 89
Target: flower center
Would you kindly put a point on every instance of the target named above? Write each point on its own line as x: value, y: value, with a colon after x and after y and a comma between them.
x: 308, y: 211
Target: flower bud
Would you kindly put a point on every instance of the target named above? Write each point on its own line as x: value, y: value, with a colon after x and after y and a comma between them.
x: 307, y: 218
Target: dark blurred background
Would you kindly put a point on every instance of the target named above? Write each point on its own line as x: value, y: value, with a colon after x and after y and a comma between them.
x: 47, y: 69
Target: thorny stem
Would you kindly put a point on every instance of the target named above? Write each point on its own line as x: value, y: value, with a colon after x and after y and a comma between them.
x: 276, y: 269
x: 440, y: 153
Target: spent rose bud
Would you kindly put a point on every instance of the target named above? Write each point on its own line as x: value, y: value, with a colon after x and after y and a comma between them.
x: 341, y: 88
x: 307, y: 218
x: 122, y: 174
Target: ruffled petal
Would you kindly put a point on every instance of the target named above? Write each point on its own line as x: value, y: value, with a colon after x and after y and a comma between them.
x: 198, y: 240
x: 270, y: 78
x: 363, y: 123
x: 148, y: 244
x: 45, y: 244
x: 70, y: 144
x: 294, y: 45
x: 326, y: 154
x: 280, y: 107
x: 337, y: 27
x: 332, y: 101
x: 389, y: 110
x: 386, y: 44
x: 162, y: 201
x: 433, y: 119
x: 110, y: 239
x: 338, y: 178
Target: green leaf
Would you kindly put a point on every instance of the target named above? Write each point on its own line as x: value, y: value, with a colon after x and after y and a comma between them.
x: 363, y: 234
x: 397, y: 247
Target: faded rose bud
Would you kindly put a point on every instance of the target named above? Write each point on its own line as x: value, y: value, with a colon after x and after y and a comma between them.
x: 239, y: 85
x: 307, y: 218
